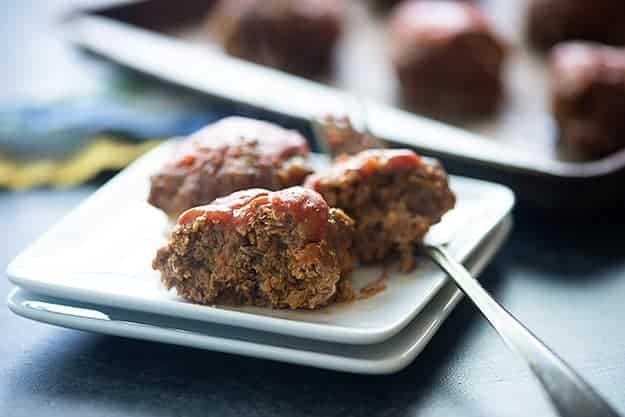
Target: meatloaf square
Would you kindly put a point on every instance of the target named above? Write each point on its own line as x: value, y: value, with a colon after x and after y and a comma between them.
x: 448, y: 59
x: 230, y: 155
x: 296, y: 36
x: 588, y: 97
x: 283, y: 249
x: 393, y: 195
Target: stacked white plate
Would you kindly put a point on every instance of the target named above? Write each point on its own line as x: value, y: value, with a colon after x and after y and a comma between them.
x: 92, y: 271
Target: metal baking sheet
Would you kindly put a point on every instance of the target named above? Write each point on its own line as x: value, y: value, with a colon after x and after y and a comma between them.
x: 517, y: 146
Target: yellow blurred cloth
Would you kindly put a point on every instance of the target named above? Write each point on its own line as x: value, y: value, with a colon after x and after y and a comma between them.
x: 103, y: 153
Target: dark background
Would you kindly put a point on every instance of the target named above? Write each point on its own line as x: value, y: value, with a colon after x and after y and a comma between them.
x: 563, y: 277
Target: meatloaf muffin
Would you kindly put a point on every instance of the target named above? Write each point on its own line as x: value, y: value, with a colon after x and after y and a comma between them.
x: 231, y: 155
x: 297, y: 36
x: 283, y: 249
x: 393, y: 195
x: 340, y: 136
x: 588, y: 97
x: 384, y: 4
x: 448, y: 59
x: 553, y: 21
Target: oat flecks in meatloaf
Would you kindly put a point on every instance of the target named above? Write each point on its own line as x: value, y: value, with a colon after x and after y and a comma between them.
x: 230, y: 155
x: 393, y: 195
x: 283, y: 249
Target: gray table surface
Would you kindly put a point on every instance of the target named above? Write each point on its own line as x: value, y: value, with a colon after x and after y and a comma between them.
x: 564, y: 278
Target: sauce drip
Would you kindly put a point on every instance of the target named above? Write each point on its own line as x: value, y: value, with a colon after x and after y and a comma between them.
x: 306, y: 206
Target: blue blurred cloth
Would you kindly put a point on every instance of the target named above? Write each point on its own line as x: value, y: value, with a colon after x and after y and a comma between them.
x: 68, y: 142
x: 35, y: 131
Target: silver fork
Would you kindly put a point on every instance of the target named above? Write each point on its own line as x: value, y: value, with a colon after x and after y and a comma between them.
x: 569, y: 393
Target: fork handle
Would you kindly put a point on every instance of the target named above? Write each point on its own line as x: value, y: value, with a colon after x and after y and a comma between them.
x: 570, y: 394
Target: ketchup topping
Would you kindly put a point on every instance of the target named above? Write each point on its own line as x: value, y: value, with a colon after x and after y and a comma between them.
x: 306, y: 206
x: 369, y: 162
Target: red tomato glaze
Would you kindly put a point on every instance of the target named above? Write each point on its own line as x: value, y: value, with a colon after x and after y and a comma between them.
x: 306, y: 206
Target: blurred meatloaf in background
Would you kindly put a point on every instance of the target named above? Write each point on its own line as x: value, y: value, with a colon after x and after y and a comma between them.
x: 283, y: 249
x: 447, y: 57
x: 588, y: 97
x: 383, y: 4
x: 340, y: 137
x: 553, y: 21
x: 393, y: 195
x: 297, y: 36
x: 233, y: 154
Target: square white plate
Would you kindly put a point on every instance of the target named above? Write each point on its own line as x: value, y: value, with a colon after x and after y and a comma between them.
x: 101, y: 253
x: 389, y: 356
